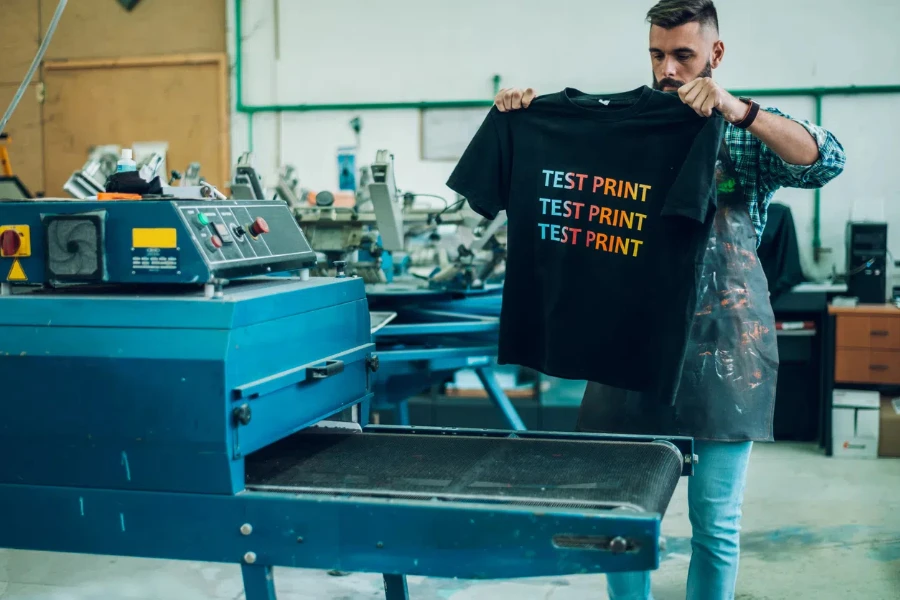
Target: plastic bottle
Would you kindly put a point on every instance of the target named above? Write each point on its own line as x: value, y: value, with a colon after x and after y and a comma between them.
x: 126, y: 163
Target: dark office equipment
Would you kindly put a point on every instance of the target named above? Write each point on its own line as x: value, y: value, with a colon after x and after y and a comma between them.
x: 779, y: 252
x: 867, y: 262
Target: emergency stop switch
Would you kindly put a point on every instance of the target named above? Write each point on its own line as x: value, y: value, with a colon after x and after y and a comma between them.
x: 10, y: 242
x: 258, y: 227
x: 255, y: 229
x: 15, y: 240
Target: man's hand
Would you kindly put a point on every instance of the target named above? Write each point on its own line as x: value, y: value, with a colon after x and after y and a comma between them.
x: 788, y: 139
x: 513, y: 99
x: 703, y: 95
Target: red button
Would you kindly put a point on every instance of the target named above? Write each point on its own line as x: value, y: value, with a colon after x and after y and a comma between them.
x: 216, y: 242
x: 9, y: 242
x: 258, y: 227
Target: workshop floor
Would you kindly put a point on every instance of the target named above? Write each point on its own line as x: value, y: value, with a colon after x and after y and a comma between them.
x: 813, y: 528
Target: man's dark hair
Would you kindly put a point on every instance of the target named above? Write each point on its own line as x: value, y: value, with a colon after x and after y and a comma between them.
x: 672, y: 13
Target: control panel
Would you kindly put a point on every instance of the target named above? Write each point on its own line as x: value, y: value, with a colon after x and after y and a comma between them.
x: 148, y: 241
x: 228, y: 234
x: 244, y: 232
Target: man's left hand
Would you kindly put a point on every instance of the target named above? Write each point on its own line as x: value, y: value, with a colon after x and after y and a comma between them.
x: 704, y: 95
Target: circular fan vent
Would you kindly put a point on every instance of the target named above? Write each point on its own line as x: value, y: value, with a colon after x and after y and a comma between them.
x: 74, y: 247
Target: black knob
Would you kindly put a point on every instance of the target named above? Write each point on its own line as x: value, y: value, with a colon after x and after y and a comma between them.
x: 339, y: 268
x: 242, y: 414
x: 324, y: 199
x: 373, y: 362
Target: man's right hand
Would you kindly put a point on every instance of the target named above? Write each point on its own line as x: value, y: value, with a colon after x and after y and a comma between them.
x: 513, y: 99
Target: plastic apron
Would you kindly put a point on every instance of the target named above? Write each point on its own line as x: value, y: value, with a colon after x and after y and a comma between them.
x: 727, y: 389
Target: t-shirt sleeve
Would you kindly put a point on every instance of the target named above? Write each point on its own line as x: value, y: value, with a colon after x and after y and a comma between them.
x: 483, y: 172
x: 694, y: 191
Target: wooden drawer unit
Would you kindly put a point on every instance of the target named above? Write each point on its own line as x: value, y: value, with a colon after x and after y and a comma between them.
x: 853, y: 365
x: 867, y: 345
x: 868, y: 331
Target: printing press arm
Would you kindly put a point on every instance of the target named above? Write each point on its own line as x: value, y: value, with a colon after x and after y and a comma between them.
x: 464, y: 269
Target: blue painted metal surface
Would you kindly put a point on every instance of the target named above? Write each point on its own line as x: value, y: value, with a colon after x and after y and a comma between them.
x: 495, y: 393
x: 138, y: 392
x: 438, y: 539
x: 427, y: 343
x: 259, y: 582
x: 455, y: 356
x: 395, y: 587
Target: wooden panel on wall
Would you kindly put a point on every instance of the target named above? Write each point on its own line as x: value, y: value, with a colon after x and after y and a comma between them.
x: 25, y: 143
x: 179, y: 100
x: 103, y: 29
x: 19, y: 39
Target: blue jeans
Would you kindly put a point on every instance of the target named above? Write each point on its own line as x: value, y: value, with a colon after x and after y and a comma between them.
x: 715, y: 495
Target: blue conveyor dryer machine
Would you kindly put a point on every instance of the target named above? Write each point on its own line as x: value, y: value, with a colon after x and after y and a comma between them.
x: 166, y: 395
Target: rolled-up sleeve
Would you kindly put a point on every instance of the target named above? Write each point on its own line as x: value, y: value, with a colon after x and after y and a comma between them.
x: 775, y: 172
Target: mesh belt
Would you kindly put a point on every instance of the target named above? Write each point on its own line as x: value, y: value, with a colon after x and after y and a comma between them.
x: 641, y: 476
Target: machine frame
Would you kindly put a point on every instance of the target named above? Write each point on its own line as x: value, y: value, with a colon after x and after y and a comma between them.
x: 145, y: 416
x: 382, y: 533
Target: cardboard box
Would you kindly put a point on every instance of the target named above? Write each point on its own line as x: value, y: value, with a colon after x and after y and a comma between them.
x: 855, y: 423
x: 889, y: 429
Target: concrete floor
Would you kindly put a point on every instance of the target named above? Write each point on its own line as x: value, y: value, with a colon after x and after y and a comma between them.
x: 813, y: 528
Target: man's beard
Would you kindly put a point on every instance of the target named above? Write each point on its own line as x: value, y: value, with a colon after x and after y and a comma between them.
x: 667, y: 82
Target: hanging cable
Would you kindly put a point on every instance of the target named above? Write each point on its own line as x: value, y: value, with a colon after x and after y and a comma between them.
x: 34, y: 64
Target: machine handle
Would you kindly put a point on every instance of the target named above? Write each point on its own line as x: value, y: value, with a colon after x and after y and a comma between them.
x: 307, y: 374
x: 331, y: 367
x: 615, y: 545
x: 879, y: 332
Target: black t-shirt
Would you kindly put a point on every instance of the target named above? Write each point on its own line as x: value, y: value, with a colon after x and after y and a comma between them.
x: 609, y: 201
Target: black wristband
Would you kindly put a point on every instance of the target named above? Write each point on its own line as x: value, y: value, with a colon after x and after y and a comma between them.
x: 751, y: 115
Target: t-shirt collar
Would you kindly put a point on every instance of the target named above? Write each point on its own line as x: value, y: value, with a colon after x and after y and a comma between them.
x: 598, y: 103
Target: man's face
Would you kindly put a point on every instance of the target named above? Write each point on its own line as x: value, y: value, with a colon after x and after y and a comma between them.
x: 682, y: 54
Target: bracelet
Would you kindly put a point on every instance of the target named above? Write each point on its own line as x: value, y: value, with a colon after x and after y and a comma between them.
x: 748, y: 119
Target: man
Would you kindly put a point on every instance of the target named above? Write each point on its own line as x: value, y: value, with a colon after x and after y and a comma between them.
x: 726, y: 397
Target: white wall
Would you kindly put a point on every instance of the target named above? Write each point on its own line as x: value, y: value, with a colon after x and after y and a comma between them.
x: 347, y: 51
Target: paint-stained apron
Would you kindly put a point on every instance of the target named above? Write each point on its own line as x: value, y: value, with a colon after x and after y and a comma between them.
x: 727, y: 389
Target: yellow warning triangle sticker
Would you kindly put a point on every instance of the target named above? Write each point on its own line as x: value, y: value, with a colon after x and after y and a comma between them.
x: 16, y: 272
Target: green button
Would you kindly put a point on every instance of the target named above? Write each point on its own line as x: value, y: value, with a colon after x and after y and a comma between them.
x: 201, y: 218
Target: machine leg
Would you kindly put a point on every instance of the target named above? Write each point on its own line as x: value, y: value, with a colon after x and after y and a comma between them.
x: 403, y: 412
x: 495, y: 392
x: 259, y: 583
x: 395, y: 587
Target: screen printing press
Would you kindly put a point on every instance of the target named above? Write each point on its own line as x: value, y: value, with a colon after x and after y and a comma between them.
x: 175, y: 385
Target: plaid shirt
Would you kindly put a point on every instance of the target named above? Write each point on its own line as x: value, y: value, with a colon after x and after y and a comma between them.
x: 761, y: 172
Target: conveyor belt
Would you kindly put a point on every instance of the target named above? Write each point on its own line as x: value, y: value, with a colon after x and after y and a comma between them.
x: 640, y: 476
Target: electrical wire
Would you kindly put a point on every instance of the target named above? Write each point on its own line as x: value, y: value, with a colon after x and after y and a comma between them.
x: 441, y: 198
x: 34, y: 64
x: 861, y: 267
x: 455, y: 206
